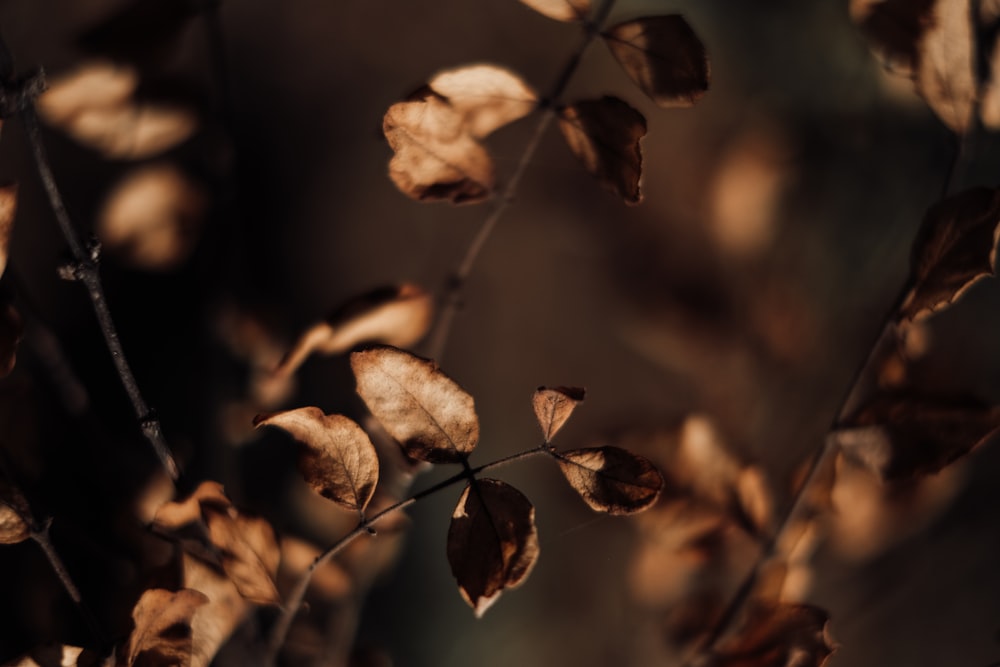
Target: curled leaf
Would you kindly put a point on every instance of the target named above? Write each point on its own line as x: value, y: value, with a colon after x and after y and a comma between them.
x: 492, y: 541
x: 664, y: 57
x: 339, y: 461
x: 604, y: 135
x: 561, y: 10
x: 955, y: 248
x: 398, y: 315
x: 162, y: 633
x: 778, y: 635
x: 611, y: 479
x: 432, y: 417
x: 13, y: 528
x: 553, y: 406
x: 946, y: 75
x: 8, y: 209
x: 901, y: 437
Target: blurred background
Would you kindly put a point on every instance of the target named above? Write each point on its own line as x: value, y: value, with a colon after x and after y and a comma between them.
x: 746, y: 288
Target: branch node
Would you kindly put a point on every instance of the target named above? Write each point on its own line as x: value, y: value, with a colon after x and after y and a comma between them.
x: 19, y: 93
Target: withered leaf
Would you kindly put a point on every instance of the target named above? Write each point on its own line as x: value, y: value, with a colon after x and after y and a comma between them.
x: 492, y: 541
x: 664, y: 57
x: 338, y: 461
x: 162, y: 633
x: 611, y: 479
x: 894, y: 29
x: 946, y: 76
x: 956, y: 247
x: 8, y: 209
x: 604, y: 135
x: 216, y: 621
x: 95, y: 105
x: 398, y: 315
x: 58, y: 656
x: 13, y: 528
x: 486, y: 97
x: 778, y: 635
x: 432, y: 417
x: 903, y: 436
x: 561, y: 10
x: 553, y: 406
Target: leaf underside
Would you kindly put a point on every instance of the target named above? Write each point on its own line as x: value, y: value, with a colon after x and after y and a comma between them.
x: 611, y: 479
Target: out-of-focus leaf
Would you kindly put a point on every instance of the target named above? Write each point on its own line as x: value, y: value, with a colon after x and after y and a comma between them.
x: 216, y: 621
x: 754, y: 498
x: 946, y: 75
x: 339, y: 461
x: 492, y: 541
x: 399, y: 315
x: 782, y: 635
x: 432, y: 417
x: 330, y: 579
x: 553, y: 406
x: 561, y: 10
x: 59, y: 656
x: 95, y: 105
x: 435, y: 133
x: 989, y: 94
x: 604, y: 135
x: 175, y: 515
x: 152, y: 218
x: 664, y: 56
x: 955, y: 248
x: 11, y: 331
x: 611, y: 479
x: 8, y: 209
x: 901, y: 436
x: 162, y: 633
x: 141, y: 31
x: 13, y: 528
x: 894, y: 29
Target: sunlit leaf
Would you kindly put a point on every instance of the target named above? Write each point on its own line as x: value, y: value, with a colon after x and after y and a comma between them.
x: 432, y: 417
x: 487, y: 97
x: 955, y: 248
x: 152, y: 218
x: 8, y: 209
x: 754, y: 496
x: 339, y: 461
x: 561, y: 10
x: 664, y: 56
x: 399, y: 315
x: 162, y: 632
x: 604, y: 135
x: 214, y: 623
x: 611, y: 479
x: 901, y: 436
x: 553, y: 406
x: 946, y: 75
x: 783, y: 635
x: 492, y: 541
x: 13, y: 528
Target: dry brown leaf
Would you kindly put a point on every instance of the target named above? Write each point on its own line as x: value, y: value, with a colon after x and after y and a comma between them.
x: 399, y: 315
x: 338, y: 461
x: 432, y: 417
x: 611, y: 479
x: 162, y: 632
x: 754, y: 496
x: 946, y: 76
x: 955, y: 248
x: 152, y: 218
x: 94, y: 104
x: 486, y: 97
x: 894, y: 29
x: 561, y: 10
x: 989, y: 95
x: 664, y: 57
x: 13, y: 528
x: 8, y: 210
x: 553, y: 406
x: 176, y: 515
x: 492, y: 541
x: 900, y: 437
x: 216, y: 621
x: 782, y: 635
x: 605, y: 136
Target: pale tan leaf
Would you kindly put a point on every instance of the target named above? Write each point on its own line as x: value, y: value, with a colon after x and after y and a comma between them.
x: 561, y: 10
x: 432, y: 417
x: 487, y: 97
x: 703, y: 462
x: 338, y: 460
x: 96, y: 84
x: 553, y: 406
x: 8, y: 210
x: 492, y: 541
x: 989, y: 103
x: 330, y: 580
x: 399, y: 315
x: 152, y: 218
x: 249, y: 553
x: 216, y: 621
x: 611, y: 479
x: 781, y: 635
x: 175, y: 515
x: 946, y: 75
x: 162, y: 632
x: 664, y: 57
x: 605, y: 136
x: 754, y: 496
x: 13, y: 528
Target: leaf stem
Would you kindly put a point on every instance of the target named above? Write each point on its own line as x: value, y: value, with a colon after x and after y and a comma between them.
x: 452, y: 299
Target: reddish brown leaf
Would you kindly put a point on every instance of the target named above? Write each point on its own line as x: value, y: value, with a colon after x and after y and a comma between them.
x: 611, y: 479
x: 162, y: 633
x: 561, y: 10
x: 432, y: 417
x: 604, y: 135
x: 901, y: 437
x: 8, y: 209
x: 664, y: 56
x: 13, y: 528
x: 946, y: 76
x: 399, y: 315
x: 955, y: 248
x: 492, y: 541
x: 553, y: 406
x: 338, y: 460
x: 783, y: 635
